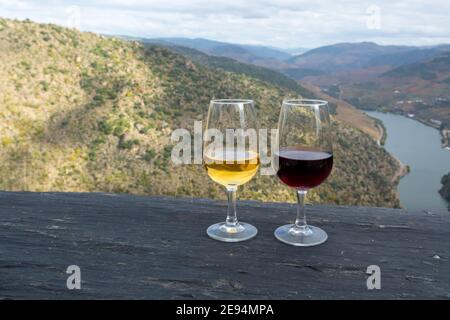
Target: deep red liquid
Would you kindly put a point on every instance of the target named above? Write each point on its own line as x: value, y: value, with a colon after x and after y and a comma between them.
x: 303, y: 169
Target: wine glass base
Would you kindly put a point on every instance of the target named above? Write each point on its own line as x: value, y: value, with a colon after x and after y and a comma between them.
x: 313, y: 236
x: 241, y: 232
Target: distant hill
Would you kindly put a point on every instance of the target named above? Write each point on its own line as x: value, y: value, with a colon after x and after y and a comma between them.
x: 83, y: 112
x: 344, y: 56
x: 420, y: 88
x: 254, y: 54
x: 436, y: 68
x: 407, y: 57
x: 296, y: 51
x: 345, y: 60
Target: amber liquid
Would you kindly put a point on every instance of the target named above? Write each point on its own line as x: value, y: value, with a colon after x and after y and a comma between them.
x: 232, y: 167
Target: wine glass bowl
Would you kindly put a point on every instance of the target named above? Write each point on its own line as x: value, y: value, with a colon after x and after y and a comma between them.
x: 303, y: 168
x: 303, y: 160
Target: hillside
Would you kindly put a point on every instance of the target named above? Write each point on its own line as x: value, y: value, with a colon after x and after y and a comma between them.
x: 232, y: 65
x: 421, y: 88
x: 82, y: 112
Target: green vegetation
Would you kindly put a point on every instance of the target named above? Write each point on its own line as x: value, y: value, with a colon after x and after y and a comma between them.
x: 381, y: 125
x: 445, y: 190
x: 150, y: 155
x: 81, y: 112
x: 334, y: 90
x: 419, y: 70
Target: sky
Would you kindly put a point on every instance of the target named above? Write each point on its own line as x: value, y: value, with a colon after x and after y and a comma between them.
x: 278, y: 23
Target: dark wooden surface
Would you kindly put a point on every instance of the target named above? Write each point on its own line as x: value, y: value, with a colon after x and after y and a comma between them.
x: 157, y: 248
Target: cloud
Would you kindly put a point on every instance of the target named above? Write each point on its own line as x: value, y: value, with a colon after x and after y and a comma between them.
x: 283, y: 23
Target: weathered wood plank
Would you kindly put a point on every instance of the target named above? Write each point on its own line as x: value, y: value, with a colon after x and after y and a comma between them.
x: 157, y: 248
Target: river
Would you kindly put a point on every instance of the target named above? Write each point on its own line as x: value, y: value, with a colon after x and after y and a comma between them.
x: 418, y: 146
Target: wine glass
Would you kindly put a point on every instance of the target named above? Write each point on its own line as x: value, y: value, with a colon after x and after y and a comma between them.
x: 230, y: 156
x: 303, y: 160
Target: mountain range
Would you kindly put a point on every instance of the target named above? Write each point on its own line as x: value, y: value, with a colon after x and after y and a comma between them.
x: 366, y: 75
x: 351, y: 56
x: 328, y: 59
x: 254, y: 54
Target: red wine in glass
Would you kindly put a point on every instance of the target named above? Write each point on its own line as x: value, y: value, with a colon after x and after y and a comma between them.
x: 303, y: 169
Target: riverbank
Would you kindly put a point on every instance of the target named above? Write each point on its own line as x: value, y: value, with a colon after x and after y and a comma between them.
x: 402, y: 169
x: 381, y: 139
x: 444, y: 133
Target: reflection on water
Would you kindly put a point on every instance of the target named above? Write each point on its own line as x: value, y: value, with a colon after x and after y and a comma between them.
x: 418, y: 146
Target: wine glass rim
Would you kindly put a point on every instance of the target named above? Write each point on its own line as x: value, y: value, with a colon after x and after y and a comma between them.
x: 305, y: 102
x: 231, y: 101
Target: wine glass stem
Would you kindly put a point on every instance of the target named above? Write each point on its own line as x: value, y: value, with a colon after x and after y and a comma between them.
x: 231, y: 213
x: 300, y: 222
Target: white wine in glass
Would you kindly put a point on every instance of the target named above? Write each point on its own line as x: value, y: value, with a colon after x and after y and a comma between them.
x: 232, y: 167
x: 231, y: 159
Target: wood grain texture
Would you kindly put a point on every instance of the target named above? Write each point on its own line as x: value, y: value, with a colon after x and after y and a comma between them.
x: 156, y: 248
